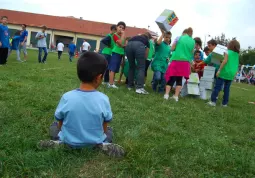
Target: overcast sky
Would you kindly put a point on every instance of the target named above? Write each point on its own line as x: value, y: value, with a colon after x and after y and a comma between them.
x: 236, y: 18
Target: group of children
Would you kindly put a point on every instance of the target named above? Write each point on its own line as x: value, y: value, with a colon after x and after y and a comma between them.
x: 83, y: 114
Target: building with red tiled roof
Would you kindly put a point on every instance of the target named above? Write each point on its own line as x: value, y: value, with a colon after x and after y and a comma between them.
x: 63, y: 29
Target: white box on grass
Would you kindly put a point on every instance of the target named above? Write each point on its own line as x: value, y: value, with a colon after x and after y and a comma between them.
x: 209, y: 72
x: 193, y: 78
x: 218, y: 54
x: 167, y: 20
x: 206, y: 83
x: 190, y: 89
x: 193, y: 89
x: 205, y: 94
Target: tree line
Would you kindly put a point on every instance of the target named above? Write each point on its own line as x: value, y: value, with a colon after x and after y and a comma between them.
x: 247, y: 56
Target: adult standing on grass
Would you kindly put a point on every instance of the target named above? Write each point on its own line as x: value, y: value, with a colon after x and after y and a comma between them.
x: 60, y: 48
x: 137, y: 49
x: 85, y: 46
x: 4, y: 40
x: 23, y: 41
x: 180, y: 65
x: 42, y: 44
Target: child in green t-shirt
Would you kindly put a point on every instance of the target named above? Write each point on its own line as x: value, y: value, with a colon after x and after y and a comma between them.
x: 160, y: 62
x: 226, y: 73
x: 150, y: 57
x: 211, y: 45
x: 107, y: 52
x: 117, y: 53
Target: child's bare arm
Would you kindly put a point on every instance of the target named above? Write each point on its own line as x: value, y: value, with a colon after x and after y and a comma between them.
x: 60, y: 123
x: 161, y: 37
x: 105, y: 124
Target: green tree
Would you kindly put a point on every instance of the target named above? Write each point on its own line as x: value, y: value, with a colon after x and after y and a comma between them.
x: 247, y: 56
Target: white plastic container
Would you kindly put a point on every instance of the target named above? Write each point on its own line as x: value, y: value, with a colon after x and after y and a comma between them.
x: 209, y: 72
x: 205, y: 94
x: 218, y: 54
x: 193, y: 78
x: 193, y: 89
x: 167, y: 20
x: 206, y: 83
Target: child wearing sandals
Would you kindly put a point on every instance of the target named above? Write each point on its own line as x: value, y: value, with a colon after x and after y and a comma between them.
x: 83, y: 114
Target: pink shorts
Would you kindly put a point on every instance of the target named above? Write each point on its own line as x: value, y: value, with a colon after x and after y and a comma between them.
x: 178, y: 69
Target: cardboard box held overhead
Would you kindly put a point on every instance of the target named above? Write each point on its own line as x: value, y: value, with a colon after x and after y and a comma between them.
x: 167, y: 20
x: 218, y: 54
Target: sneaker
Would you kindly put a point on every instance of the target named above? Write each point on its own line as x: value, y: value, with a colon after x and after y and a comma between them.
x: 175, y: 98
x: 224, y: 105
x: 48, y: 144
x: 129, y: 88
x: 166, y: 97
x: 141, y: 91
x: 112, y: 150
x: 210, y: 103
x: 112, y: 86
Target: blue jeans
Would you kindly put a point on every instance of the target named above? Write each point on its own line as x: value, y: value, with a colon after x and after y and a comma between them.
x: 135, y: 51
x: 71, y: 55
x: 106, y: 74
x: 218, y: 87
x: 158, y: 79
x: 44, y: 49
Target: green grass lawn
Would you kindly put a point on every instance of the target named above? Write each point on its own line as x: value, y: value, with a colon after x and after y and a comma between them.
x: 162, y: 138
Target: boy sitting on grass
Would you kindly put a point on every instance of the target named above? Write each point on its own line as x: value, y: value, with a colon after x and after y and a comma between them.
x: 83, y: 114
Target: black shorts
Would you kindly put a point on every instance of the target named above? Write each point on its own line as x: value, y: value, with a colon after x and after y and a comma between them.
x: 174, y: 79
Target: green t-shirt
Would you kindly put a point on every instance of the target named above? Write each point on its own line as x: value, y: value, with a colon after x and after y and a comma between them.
x: 228, y: 72
x: 184, y: 49
x: 108, y: 49
x: 118, y: 49
x: 208, y: 61
x: 162, y: 53
x: 126, y: 68
x: 151, y: 51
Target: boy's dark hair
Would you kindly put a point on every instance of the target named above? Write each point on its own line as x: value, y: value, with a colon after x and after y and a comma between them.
x: 24, y: 25
x: 197, y: 51
x: 168, y: 33
x: 90, y: 65
x: 17, y: 33
x: 206, y: 49
x: 122, y: 23
x: 113, y: 27
x: 212, y: 42
x: 234, y: 45
x: 4, y: 17
x: 198, y: 41
x: 44, y: 27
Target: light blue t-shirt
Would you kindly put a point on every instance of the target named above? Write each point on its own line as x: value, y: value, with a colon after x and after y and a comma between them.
x: 83, y: 114
x: 41, y: 43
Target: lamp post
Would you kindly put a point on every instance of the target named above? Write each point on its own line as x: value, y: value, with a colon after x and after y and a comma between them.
x: 207, y: 35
